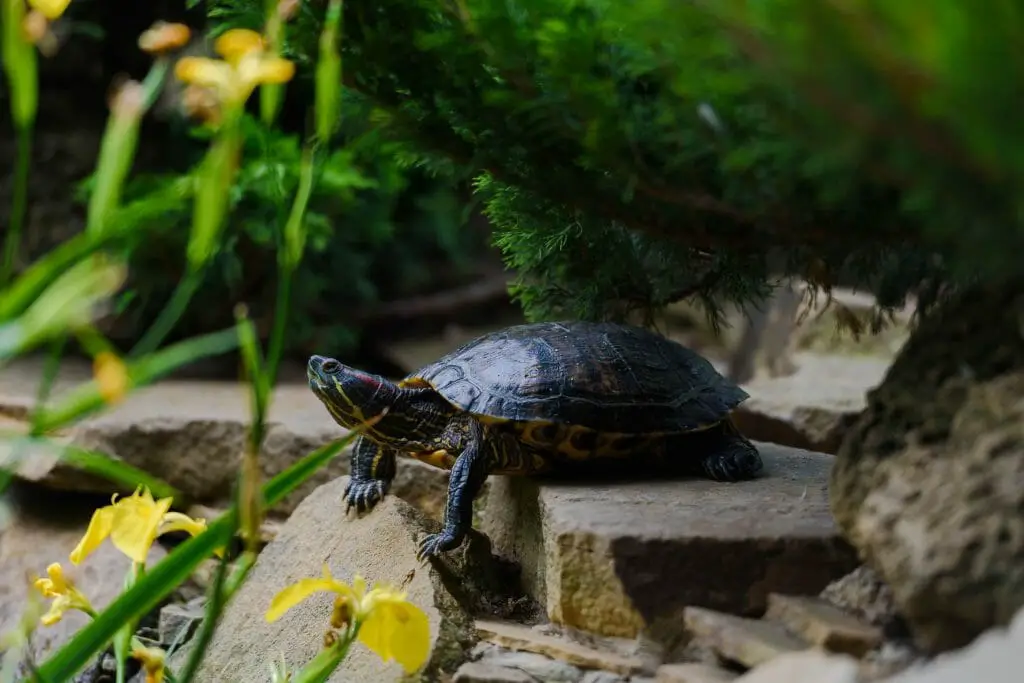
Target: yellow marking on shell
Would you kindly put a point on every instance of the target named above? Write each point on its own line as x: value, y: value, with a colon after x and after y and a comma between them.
x: 566, y: 440
x: 415, y: 383
x: 490, y: 420
x: 441, y: 459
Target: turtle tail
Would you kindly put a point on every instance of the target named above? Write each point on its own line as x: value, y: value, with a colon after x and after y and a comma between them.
x: 733, y: 457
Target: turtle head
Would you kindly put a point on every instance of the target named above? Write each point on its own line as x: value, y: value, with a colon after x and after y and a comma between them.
x: 351, y: 396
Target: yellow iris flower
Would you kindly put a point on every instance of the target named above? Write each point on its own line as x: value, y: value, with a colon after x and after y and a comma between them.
x: 153, y: 661
x: 64, y: 593
x: 245, y: 65
x: 388, y: 623
x: 133, y: 524
x: 111, y: 377
x: 51, y: 9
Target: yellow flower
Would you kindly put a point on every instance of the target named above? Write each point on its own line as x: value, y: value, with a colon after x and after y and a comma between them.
x: 388, y: 623
x: 51, y: 9
x: 164, y: 37
x: 246, y: 65
x: 133, y: 524
x: 111, y: 376
x: 65, y: 595
x: 153, y: 662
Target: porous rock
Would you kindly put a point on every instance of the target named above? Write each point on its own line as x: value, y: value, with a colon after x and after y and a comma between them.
x: 927, y: 484
x: 622, y: 558
x: 43, y: 528
x: 863, y: 594
x: 191, y: 434
x: 380, y: 546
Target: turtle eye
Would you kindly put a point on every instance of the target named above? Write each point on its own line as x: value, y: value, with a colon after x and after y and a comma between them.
x: 330, y: 366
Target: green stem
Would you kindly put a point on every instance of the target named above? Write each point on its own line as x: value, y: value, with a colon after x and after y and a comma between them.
x: 169, y: 316
x: 50, y: 371
x: 19, y: 204
x: 199, y: 644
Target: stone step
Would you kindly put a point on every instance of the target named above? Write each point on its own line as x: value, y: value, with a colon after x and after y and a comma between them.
x: 823, y: 624
x: 618, y: 559
x: 694, y: 673
x: 750, y: 642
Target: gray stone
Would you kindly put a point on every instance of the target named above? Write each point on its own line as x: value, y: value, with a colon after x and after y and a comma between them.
x: 620, y: 558
x: 602, y: 677
x: 537, y: 666
x: 380, y: 546
x: 191, y: 434
x: 178, y: 622
x: 480, y: 672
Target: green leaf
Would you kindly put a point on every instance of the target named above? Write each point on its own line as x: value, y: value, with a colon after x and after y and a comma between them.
x: 95, y: 463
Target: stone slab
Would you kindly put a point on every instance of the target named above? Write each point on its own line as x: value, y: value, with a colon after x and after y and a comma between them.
x: 749, y: 642
x: 812, y: 408
x: 620, y: 559
x: 823, y: 624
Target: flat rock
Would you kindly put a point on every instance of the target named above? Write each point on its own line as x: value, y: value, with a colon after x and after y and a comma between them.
x: 44, y: 527
x: 812, y: 408
x: 823, y: 624
x: 380, y: 546
x: 618, y: 558
x: 191, y: 434
x: 749, y: 642
x: 518, y: 637
x: 694, y: 673
x: 809, y: 666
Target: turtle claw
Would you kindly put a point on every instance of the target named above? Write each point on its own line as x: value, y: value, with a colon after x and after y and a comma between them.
x: 435, y: 544
x: 364, y: 494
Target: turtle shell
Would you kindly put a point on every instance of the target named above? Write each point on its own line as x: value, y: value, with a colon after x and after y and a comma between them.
x: 604, y: 376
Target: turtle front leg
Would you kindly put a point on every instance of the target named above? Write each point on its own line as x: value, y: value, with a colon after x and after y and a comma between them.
x: 467, y: 478
x: 372, y: 470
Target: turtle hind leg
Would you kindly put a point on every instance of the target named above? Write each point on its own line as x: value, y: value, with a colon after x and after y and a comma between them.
x: 731, y: 456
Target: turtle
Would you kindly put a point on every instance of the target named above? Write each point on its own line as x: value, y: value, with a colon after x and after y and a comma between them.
x: 535, y: 398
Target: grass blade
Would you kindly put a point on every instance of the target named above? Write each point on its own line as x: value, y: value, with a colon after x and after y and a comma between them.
x: 86, y: 398
x: 92, y: 462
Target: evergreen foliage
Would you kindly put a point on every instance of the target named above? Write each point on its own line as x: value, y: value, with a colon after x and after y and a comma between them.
x: 634, y: 153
